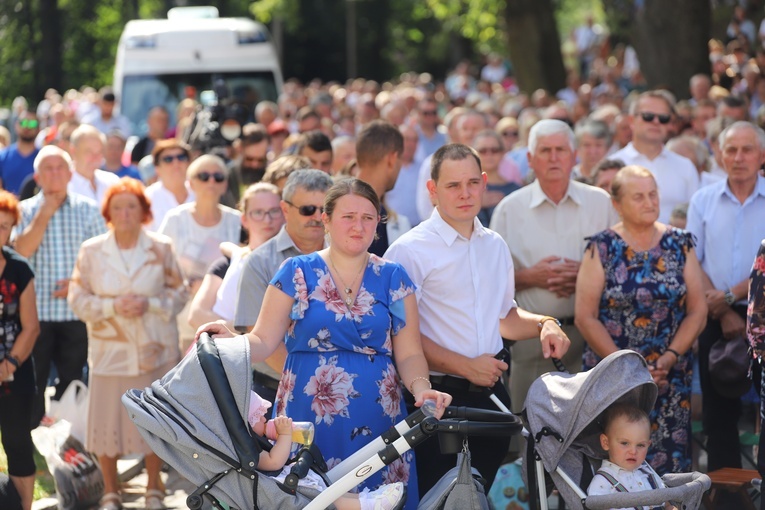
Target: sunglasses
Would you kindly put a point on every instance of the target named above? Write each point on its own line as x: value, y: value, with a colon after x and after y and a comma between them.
x: 29, y: 123
x: 260, y: 214
x: 306, y: 210
x: 206, y: 176
x: 489, y: 150
x: 170, y: 157
x: 648, y: 117
x: 429, y: 113
x: 509, y: 133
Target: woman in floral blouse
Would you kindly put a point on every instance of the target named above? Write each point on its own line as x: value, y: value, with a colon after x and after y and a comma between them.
x: 755, y: 326
x: 350, y: 324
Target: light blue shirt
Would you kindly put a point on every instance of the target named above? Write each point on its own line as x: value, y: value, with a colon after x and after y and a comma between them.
x: 728, y: 233
x: 403, y: 197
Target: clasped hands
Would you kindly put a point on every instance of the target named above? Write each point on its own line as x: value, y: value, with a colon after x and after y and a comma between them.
x: 556, y: 274
x: 131, y: 305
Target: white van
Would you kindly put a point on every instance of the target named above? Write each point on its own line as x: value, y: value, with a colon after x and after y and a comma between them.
x: 163, y: 61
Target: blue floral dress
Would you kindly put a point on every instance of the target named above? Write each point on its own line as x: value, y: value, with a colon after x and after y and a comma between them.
x: 642, y: 306
x: 339, y: 373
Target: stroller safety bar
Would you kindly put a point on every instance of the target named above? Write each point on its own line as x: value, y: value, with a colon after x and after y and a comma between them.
x: 689, y: 483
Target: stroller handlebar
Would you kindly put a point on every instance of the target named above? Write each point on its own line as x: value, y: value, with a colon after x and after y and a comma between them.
x: 482, y: 415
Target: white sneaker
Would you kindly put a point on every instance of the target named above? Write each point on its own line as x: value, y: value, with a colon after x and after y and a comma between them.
x: 387, y: 497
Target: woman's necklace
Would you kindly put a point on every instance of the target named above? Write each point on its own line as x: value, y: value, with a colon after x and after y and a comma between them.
x: 348, y: 288
x: 635, y: 245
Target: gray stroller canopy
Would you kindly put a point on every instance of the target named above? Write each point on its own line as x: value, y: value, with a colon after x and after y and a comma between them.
x: 201, y: 437
x: 570, y: 404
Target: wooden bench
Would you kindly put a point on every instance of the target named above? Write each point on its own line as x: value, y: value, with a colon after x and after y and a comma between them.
x: 737, y: 481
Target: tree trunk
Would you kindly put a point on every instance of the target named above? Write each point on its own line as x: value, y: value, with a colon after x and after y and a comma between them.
x: 534, y: 45
x: 50, y: 50
x: 670, y: 38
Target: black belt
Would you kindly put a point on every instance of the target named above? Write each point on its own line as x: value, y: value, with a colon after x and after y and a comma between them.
x: 265, y: 381
x: 457, y: 383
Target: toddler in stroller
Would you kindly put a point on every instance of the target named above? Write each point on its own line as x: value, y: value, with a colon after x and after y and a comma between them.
x: 626, y: 437
x: 387, y: 497
x: 563, y: 414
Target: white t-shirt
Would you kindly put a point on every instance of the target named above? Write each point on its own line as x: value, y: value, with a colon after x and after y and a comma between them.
x: 225, y: 299
x: 162, y: 201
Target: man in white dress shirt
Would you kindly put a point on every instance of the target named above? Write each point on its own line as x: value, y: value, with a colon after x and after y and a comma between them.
x: 545, y: 225
x: 675, y: 175
x: 88, y: 179
x: 465, y: 295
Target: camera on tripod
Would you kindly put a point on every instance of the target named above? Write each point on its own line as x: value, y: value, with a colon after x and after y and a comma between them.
x: 217, y: 122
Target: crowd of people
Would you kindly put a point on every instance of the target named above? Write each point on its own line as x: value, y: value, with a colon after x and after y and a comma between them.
x: 379, y: 244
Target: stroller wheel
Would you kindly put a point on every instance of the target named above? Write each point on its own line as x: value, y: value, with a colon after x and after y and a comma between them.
x: 194, y: 502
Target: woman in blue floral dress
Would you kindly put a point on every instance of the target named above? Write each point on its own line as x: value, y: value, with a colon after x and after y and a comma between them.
x: 639, y: 288
x: 350, y: 324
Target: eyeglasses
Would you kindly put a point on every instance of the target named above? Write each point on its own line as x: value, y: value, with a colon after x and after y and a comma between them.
x: 509, y: 133
x: 170, y: 157
x: 260, y: 214
x: 29, y: 123
x: 489, y: 150
x: 306, y: 210
x: 648, y: 117
x: 206, y: 176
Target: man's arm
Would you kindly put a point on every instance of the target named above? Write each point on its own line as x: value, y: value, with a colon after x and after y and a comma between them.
x: 484, y: 370
x: 522, y: 325
x: 28, y: 241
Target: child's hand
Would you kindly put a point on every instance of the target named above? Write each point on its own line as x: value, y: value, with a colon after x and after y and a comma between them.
x: 283, y: 425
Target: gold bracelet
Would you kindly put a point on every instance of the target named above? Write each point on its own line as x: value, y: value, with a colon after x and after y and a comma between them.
x: 411, y: 384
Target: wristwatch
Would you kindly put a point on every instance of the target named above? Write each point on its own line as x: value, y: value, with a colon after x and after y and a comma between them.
x: 545, y: 319
x: 729, y: 297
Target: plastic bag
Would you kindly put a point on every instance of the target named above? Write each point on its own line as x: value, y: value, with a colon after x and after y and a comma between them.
x: 78, y: 477
x: 72, y: 407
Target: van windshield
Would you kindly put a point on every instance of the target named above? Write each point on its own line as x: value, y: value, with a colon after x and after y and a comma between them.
x: 140, y: 93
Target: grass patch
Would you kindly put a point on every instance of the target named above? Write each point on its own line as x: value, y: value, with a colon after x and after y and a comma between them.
x: 44, y: 485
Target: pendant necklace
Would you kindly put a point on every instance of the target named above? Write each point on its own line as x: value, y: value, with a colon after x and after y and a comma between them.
x: 347, y: 289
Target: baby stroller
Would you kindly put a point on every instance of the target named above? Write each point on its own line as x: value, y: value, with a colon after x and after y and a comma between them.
x: 195, y: 419
x: 561, y: 414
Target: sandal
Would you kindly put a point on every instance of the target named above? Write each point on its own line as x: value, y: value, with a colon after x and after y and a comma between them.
x: 110, y: 501
x: 155, y: 500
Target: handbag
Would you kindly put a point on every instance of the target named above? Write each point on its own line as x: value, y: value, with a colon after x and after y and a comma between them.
x: 461, y: 488
x: 76, y: 472
x: 72, y: 407
x: 729, y: 371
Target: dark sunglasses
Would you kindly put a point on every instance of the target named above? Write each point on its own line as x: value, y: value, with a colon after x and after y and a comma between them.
x: 29, y: 123
x: 306, y: 210
x: 509, y: 133
x: 170, y: 157
x: 489, y: 150
x: 429, y: 113
x: 205, y: 176
x: 648, y: 117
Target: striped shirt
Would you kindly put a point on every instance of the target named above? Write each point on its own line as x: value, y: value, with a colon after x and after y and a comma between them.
x: 77, y: 220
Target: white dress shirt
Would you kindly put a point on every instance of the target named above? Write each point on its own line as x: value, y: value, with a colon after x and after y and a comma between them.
x: 162, y: 200
x: 675, y: 176
x: 535, y: 227
x: 464, y: 286
x: 103, y: 180
x: 728, y: 233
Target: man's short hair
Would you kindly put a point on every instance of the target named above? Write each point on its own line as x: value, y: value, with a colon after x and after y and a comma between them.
x: 594, y: 128
x: 664, y: 95
x: 547, y: 127
x: 606, y: 165
x: 376, y: 140
x: 283, y: 166
x: 107, y: 94
x: 743, y: 124
x: 265, y: 106
x: 452, y: 152
x: 339, y: 141
x: 253, y: 134
x: 314, y: 140
x: 86, y: 131
x: 163, y: 145
x: 307, y: 179
x: 306, y: 112
x: 50, y: 151
x: 733, y: 102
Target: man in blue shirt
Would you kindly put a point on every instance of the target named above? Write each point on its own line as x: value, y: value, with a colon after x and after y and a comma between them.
x: 17, y: 160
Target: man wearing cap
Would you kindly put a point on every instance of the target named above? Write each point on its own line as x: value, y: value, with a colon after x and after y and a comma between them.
x: 16, y: 160
x: 104, y: 118
x: 278, y: 132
